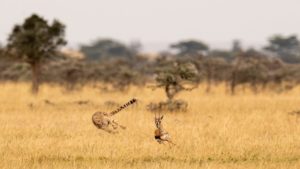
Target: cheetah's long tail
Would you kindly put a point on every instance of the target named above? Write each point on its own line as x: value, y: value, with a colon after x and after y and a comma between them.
x: 123, y: 107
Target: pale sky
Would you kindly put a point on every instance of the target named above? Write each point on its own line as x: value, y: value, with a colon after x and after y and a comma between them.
x: 156, y: 23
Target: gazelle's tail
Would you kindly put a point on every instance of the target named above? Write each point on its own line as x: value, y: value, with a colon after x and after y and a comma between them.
x: 122, y: 107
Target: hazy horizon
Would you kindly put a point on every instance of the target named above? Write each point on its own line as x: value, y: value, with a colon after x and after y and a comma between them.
x: 158, y: 23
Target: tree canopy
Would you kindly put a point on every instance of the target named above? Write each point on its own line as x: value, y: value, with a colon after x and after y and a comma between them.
x: 190, y: 47
x: 287, y: 48
x: 106, y: 48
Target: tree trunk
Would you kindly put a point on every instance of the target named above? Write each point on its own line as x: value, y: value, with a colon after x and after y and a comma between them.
x: 234, y: 74
x: 35, y: 68
x: 233, y: 82
x: 169, y: 93
x: 254, y: 86
x: 209, y: 79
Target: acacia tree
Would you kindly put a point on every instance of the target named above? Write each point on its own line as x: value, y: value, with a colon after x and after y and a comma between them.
x: 253, y: 68
x: 190, y: 48
x: 287, y: 48
x: 106, y: 48
x: 34, y: 41
x: 174, y: 77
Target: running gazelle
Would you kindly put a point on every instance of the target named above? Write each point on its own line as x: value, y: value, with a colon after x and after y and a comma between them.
x: 103, y: 120
x: 160, y: 134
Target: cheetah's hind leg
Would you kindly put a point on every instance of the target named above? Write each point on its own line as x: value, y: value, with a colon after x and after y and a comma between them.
x: 110, y: 131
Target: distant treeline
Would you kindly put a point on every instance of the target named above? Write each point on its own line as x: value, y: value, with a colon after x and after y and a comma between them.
x: 32, y: 53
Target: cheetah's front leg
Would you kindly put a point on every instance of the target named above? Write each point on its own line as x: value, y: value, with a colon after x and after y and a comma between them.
x: 117, y: 124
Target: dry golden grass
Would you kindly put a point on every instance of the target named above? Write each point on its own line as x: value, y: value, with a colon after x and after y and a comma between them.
x: 219, y: 131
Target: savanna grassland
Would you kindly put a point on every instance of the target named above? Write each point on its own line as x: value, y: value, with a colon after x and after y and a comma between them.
x: 219, y: 131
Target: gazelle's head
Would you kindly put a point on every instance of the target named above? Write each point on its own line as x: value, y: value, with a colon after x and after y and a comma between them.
x: 158, y: 120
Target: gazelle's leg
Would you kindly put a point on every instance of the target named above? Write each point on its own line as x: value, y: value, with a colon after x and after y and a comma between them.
x: 163, y: 142
x: 170, y: 142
